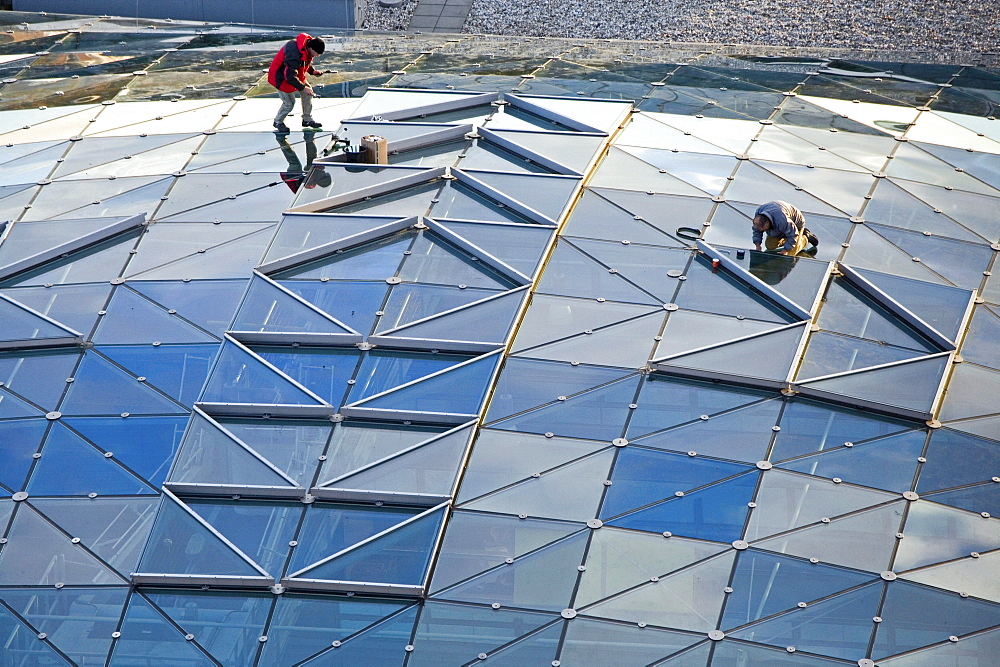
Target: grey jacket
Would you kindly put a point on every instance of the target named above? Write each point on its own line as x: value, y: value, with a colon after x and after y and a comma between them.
x: 786, y: 222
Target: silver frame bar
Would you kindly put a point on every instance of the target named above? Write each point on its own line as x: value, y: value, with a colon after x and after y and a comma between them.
x: 411, y: 177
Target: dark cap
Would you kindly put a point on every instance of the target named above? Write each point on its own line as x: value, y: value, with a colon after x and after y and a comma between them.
x: 316, y: 44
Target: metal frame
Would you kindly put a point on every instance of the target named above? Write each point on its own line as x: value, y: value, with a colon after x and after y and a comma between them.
x: 524, y: 103
x: 472, y: 182
x: 458, y: 101
x: 73, y: 337
x: 436, y: 134
x: 410, y: 176
x: 508, y: 145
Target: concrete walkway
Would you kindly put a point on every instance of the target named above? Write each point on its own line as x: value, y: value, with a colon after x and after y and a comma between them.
x: 440, y: 15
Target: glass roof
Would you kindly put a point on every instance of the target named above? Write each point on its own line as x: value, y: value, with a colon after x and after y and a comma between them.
x: 524, y: 394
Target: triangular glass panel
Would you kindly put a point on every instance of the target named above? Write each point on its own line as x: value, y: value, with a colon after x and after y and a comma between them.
x: 536, y: 649
x: 73, y: 306
x: 36, y: 554
x: 979, y: 498
x: 101, y: 262
x: 305, y: 625
x: 971, y: 393
x: 962, y: 576
x: 641, y: 477
x: 918, y: 616
x: 688, y: 330
x: 101, y: 388
x: 778, y: 145
x: 132, y: 319
x: 145, y: 445
x: 399, y: 557
x: 892, y: 205
x: 571, y: 492
x: 987, y: 427
x: 767, y: 584
x: 241, y: 377
x: 352, y: 303
x: 485, y: 630
x: 136, y: 193
x: 28, y: 238
x: 864, y: 541
x: 716, y: 513
x: 460, y: 389
x: 412, y: 302
x: 356, y: 445
x: 180, y: 544
x: 22, y: 641
x: 436, y: 261
x: 643, y: 266
x: 302, y: 231
x: 192, y: 197
x: 346, y: 179
x: 696, y: 657
x: 620, y: 559
x: 476, y: 542
x: 599, y: 414
x: 570, y: 272
x: 889, y: 463
x: 519, y: 246
x: 21, y: 324
x: 868, y: 250
x: 575, y: 152
x: 595, y: 217
x: 551, y: 318
x: 489, y: 156
x: 622, y: 171
x: 981, y: 341
x: 292, y: 446
x: 688, y: 600
x: 70, y: 466
x: 226, y: 624
x: 911, y: 163
x: 739, y: 358
x: 741, y: 435
x: 234, y: 259
x: 955, y: 459
x: 104, y: 156
x: 966, y: 208
x: 979, y: 165
x: 486, y: 321
x: 113, y: 528
x: 808, y: 427
x: 602, y: 115
x: 461, y: 202
x: 664, y: 212
x: 540, y: 580
x: 786, y: 501
x: 627, y: 344
x: 39, y: 377
x: 141, y: 621
x: 927, y: 523
x: 375, y: 260
x: 209, y: 455
x: 260, y: 529
x: 960, y: 262
x: 665, y: 402
x: 428, y: 469
x: 650, y: 130
x: 911, y: 385
x: 500, y: 458
x: 724, y: 294
x: 706, y: 172
x: 383, y: 644
x: 752, y: 179
x: 843, y: 190
x: 163, y: 243
x: 955, y: 653
x: 547, y: 195
x: 267, y: 308
x: 21, y: 438
x: 78, y: 633
x: 12, y: 407
x: 845, y: 621
x: 209, y: 304
x: 177, y: 370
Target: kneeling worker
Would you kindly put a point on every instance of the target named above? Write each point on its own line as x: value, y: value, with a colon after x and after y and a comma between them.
x: 785, y: 227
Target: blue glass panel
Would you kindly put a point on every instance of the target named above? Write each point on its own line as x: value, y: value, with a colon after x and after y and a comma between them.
x: 70, y: 466
x: 409, y: 303
x: 385, y: 644
x: 227, y: 625
x: 526, y: 383
x: 21, y: 645
x: 452, y: 634
x: 737, y: 654
x: 146, y: 445
x: 267, y: 308
x: 382, y: 370
x: 39, y: 377
x: 742, y: 435
x: 261, y: 530
x: 715, y: 513
x: 291, y: 446
x: 911, y: 385
x: 961, y: 263
x: 324, y: 371
x: 180, y: 544
x: 21, y: 324
x: 545, y: 194
x: 798, y: 278
x: 78, y: 621
x: 329, y: 529
x: 100, y: 388
x: 304, y: 625
x: 461, y: 390
x: 940, y: 306
x: 113, y: 528
x: 535, y: 649
x: 643, y: 265
x: 937, y: 533
x: 21, y: 438
x: 829, y: 353
x: 917, y: 616
x: 208, y: 303
x: 602, y: 643
x: 133, y: 319
x: 847, y: 310
x: 11, y: 406
x: 571, y: 272
x: 982, y: 342
x: 177, y: 370
x: 488, y: 322
x: 542, y: 580
x: 764, y: 584
x: 840, y: 627
x: 721, y: 293
x: 642, y: 476
x: 208, y: 455
x: 376, y: 260
x: 980, y: 498
x: 354, y: 304
x: 955, y: 459
x: 400, y: 557
x: 98, y: 263
x: 810, y: 427
x: 434, y: 260
x: 240, y: 377
x: 148, y: 637
x: 665, y: 402
x: 888, y: 463
x: 37, y: 554
x: 355, y: 445
x: 458, y: 201
x: 598, y: 414
x: 518, y: 246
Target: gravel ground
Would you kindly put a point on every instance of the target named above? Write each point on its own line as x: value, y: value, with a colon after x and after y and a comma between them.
x: 953, y: 25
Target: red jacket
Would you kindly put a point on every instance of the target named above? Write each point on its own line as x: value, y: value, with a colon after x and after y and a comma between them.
x: 290, y: 65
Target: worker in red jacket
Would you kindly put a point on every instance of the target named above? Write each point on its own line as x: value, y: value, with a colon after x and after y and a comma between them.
x: 288, y: 74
